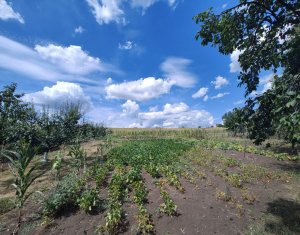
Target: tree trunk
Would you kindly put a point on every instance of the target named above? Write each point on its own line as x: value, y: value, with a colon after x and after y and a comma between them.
x: 45, y: 157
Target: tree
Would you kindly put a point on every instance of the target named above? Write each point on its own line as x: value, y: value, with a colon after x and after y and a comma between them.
x: 234, y: 121
x: 17, y: 118
x: 266, y: 35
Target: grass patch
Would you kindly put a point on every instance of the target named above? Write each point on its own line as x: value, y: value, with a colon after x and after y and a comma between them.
x: 6, y: 205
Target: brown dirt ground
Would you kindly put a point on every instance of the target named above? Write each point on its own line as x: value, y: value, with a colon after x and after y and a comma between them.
x: 199, y: 209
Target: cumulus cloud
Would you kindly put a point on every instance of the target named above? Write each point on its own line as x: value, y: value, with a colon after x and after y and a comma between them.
x: 50, y: 63
x: 200, y: 93
x: 220, y: 82
x: 79, y: 30
x: 71, y: 59
x: 235, y: 65
x: 126, y: 45
x: 175, y: 115
x: 267, y: 82
x: 140, y: 90
x: 107, y: 11
x: 130, y: 107
x: 176, y: 69
x: 220, y: 95
x: 7, y: 13
x: 58, y: 94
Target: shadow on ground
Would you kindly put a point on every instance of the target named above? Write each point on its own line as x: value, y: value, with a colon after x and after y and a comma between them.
x: 287, y: 215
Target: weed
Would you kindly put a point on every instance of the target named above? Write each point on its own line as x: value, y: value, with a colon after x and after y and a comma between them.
x: 6, y: 204
x: 248, y: 197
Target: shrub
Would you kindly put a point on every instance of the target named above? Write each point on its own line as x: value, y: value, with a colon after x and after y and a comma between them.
x: 65, y: 194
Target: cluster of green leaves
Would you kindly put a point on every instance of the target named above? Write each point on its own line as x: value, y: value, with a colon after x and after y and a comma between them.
x: 47, y: 129
x: 168, y: 206
x: 116, y: 191
x: 88, y: 199
x: 78, y: 156
x: 266, y: 34
x: 66, y: 194
x: 23, y: 172
x: 172, y: 174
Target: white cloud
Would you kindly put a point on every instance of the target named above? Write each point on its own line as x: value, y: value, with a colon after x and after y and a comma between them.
x: 71, y: 59
x: 145, y: 4
x: 205, y: 98
x: 107, y: 11
x: 175, y: 115
x: 58, y: 94
x: 127, y: 45
x: 201, y: 93
x: 50, y: 63
x: 79, y: 29
x: 220, y: 95
x: 224, y: 5
x: 267, y: 82
x: 7, y: 13
x: 130, y: 107
x: 220, y: 82
x: 109, y: 81
x: 140, y: 90
x: 175, y: 69
x: 235, y: 65
x: 239, y: 102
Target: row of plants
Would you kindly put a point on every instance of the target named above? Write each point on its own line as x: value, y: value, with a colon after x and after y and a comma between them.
x: 226, y: 145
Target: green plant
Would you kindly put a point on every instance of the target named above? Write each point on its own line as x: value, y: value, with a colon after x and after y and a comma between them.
x: 88, y: 199
x: 224, y: 196
x: 6, y: 204
x: 234, y: 180
x: 168, y: 206
x: 78, y: 156
x: 145, y: 224
x: 23, y: 172
x: 66, y: 193
x: 56, y: 166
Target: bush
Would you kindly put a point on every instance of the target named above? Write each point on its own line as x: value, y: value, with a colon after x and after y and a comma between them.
x: 65, y: 194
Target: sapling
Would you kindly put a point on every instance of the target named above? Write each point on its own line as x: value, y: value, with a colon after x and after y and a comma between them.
x: 23, y: 173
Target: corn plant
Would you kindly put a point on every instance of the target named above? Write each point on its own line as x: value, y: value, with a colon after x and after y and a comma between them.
x: 78, y: 156
x: 57, y: 165
x: 20, y: 166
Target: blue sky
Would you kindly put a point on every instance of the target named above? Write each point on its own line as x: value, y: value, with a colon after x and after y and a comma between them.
x: 130, y: 63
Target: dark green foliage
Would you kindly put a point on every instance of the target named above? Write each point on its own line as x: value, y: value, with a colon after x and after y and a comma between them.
x: 47, y: 129
x: 258, y: 29
x: 17, y: 119
x: 234, y: 120
x: 267, y: 35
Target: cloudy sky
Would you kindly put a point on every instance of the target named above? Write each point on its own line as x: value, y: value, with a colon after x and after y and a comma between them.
x: 130, y: 63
